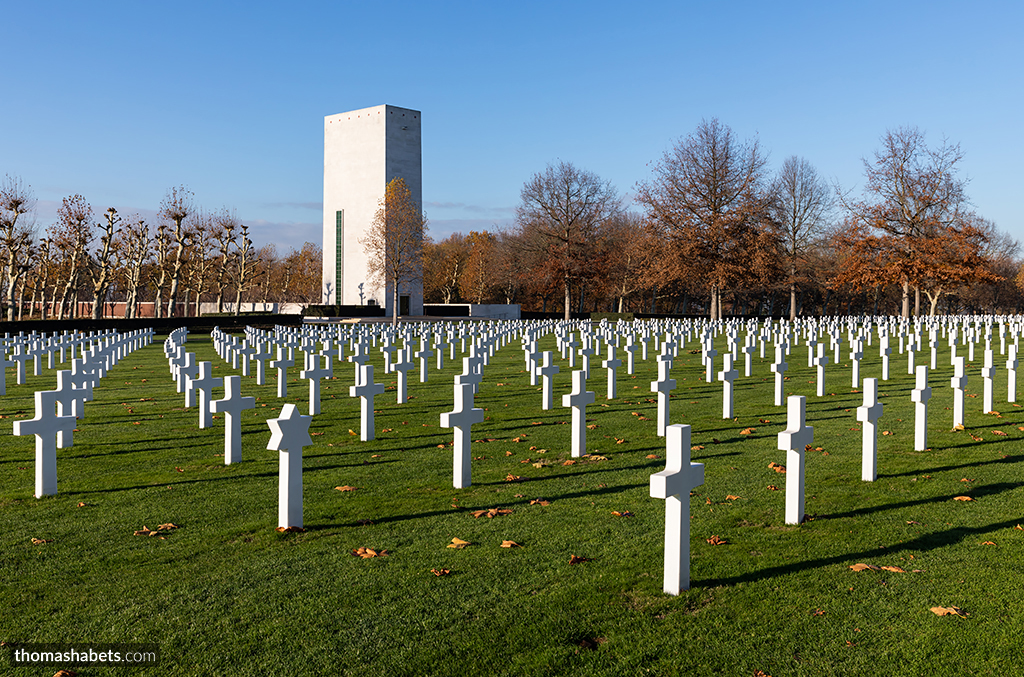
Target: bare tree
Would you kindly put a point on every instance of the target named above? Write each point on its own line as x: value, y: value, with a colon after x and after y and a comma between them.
x: 101, y: 262
x: 246, y: 266
x: 225, y: 224
x: 268, y: 268
x: 912, y: 194
x: 132, y: 250
x: 200, y: 262
x: 802, y: 209
x: 567, y: 206
x: 162, y: 245
x: 176, y: 207
x: 707, y: 200
x: 15, y: 201
x: 72, y: 237
x: 394, y: 241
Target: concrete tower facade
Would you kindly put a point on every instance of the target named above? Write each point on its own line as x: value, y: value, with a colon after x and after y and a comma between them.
x: 364, y: 150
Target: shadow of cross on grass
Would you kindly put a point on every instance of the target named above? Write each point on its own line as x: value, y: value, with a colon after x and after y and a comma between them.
x: 922, y: 543
x: 975, y: 464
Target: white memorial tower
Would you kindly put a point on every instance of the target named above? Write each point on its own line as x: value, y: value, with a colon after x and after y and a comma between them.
x: 364, y: 150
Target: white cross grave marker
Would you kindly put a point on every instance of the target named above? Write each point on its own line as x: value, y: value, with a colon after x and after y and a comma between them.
x: 578, y: 399
x: 47, y: 427
x: 868, y: 414
x: 1011, y: 370
x: 232, y: 407
x: 365, y: 389
x: 674, y: 485
x: 920, y: 396
x: 547, y: 370
x: 987, y: 374
x: 611, y: 364
x: 204, y: 383
x: 958, y: 383
x: 779, y: 367
x: 663, y: 386
x: 727, y: 376
x: 794, y: 440
x: 461, y: 418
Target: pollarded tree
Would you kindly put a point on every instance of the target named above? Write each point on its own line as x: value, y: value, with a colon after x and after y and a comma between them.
x: 246, y: 266
x: 802, y: 209
x: 708, y: 201
x: 72, y: 236
x: 225, y: 224
x: 394, y: 242
x: 567, y: 207
x: 176, y: 207
x: 16, y: 202
x: 200, y: 261
x: 101, y: 262
x: 132, y: 251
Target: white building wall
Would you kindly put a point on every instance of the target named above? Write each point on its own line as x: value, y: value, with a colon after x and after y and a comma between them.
x: 364, y: 150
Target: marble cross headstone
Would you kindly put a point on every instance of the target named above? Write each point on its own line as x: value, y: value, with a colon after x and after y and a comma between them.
x: 547, y: 370
x: 820, y: 362
x: 958, y: 383
x: 988, y: 373
x: 289, y: 433
x: 578, y: 399
x: 461, y: 418
x: 611, y: 364
x: 674, y: 485
x: 204, y: 383
x: 868, y: 414
x: 727, y: 376
x: 920, y: 396
x: 365, y: 389
x: 794, y: 440
x: 232, y: 407
x: 47, y: 427
x: 663, y: 386
x: 1011, y: 370
x: 779, y: 367
x: 281, y: 364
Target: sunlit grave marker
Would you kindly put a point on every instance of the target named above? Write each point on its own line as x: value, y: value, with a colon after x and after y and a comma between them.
x: 290, y: 432
x: 868, y: 414
x: 461, y: 418
x: 674, y: 485
x: 578, y: 399
x: 232, y: 407
x: 48, y: 429
x: 365, y: 389
x: 794, y: 440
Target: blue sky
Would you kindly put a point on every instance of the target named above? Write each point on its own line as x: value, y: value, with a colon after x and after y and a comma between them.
x: 120, y: 101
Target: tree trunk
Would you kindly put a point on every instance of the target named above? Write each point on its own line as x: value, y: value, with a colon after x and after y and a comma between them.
x: 905, y: 309
x: 394, y: 306
x: 917, y: 302
x: 568, y: 301
x: 792, y: 301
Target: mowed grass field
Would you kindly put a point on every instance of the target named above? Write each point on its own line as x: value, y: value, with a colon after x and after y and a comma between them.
x: 225, y: 593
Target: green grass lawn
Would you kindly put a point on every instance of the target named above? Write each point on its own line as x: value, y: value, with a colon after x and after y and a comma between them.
x: 227, y: 594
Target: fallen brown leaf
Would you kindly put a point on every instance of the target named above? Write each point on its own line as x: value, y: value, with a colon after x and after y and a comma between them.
x: 731, y: 497
x: 490, y: 514
x: 576, y: 559
x: 894, y: 569
x: 988, y: 543
x: 540, y: 501
x: 860, y: 566
x: 458, y: 544
x: 948, y: 611
x: 715, y: 540
x: 747, y: 431
x: 652, y: 456
x: 999, y: 432
x: 345, y: 488
x: 510, y: 544
x: 962, y: 498
x: 440, y: 572
x: 41, y: 541
x: 624, y: 513
x: 369, y: 553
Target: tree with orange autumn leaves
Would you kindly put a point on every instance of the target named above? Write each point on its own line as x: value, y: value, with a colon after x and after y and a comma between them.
x: 913, y: 227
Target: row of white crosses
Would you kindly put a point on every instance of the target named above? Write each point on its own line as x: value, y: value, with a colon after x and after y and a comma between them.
x: 57, y: 411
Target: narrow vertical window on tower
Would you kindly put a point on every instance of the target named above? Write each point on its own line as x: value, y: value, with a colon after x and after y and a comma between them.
x: 339, y: 229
